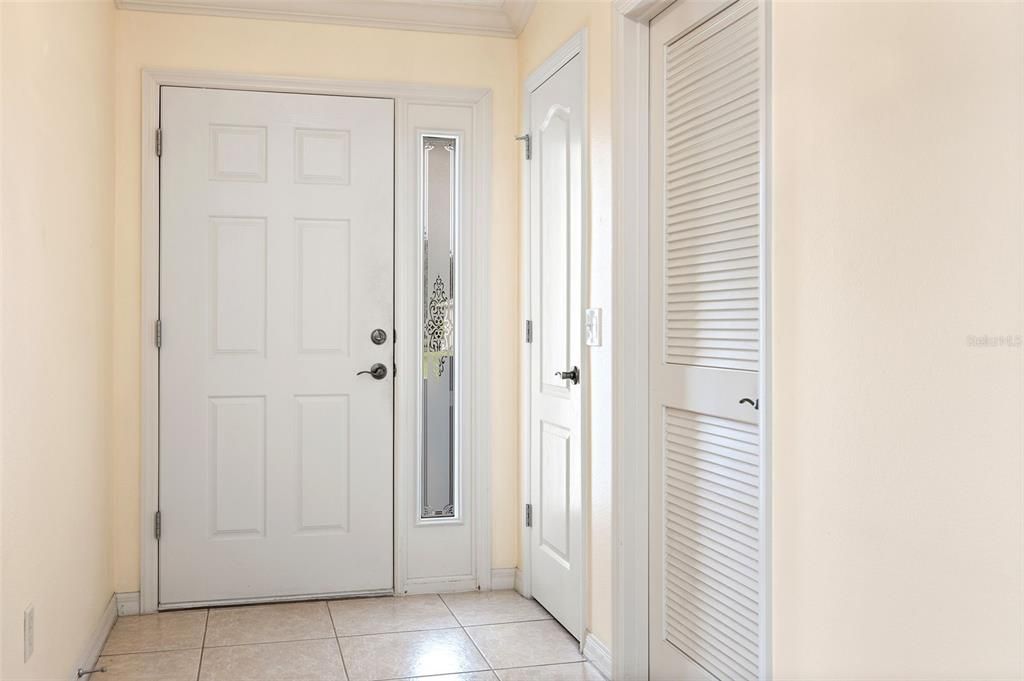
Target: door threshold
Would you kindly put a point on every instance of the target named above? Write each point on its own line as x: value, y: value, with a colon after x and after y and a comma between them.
x: 275, y: 599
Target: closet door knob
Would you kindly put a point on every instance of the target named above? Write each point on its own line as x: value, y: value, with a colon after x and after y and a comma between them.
x: 570, y: 375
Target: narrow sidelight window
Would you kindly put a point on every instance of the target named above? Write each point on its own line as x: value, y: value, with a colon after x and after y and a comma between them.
x: 439, y: 456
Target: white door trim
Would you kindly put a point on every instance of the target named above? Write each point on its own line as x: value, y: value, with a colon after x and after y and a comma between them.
x: 575, y: 45
x: 630, y: 97
x: 478, y: 100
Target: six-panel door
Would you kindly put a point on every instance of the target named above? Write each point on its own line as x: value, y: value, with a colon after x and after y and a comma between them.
x: 276, y: 265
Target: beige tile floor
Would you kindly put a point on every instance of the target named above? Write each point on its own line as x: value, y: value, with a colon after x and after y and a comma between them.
x: 496, y: 636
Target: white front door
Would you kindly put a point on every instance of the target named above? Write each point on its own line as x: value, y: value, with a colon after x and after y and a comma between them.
x: 276, y: 265
x: 556, y: 272
x: 705, y: 219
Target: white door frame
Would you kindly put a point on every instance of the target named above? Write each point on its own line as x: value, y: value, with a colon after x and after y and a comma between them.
x: 630, y: 139
x: 576, y: 45
x: 476, y: 329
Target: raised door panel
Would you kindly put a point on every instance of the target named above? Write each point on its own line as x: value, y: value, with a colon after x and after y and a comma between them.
x: 324, y: 290
x: 238, y: 466
x: 554, y: 149
x: 555, y: 510
x: 325, y: 449
x: 238, y: 248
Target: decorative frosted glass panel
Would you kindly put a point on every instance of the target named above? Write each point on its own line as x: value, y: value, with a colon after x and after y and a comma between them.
x: 439, y: 455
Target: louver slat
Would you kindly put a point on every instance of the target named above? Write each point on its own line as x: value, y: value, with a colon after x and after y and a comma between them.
x: 712, y: 193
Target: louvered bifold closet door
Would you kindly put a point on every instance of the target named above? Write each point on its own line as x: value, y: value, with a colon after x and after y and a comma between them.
x: 705, y: 294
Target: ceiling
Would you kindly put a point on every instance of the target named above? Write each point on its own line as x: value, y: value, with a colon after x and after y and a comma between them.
x: 501, y: 18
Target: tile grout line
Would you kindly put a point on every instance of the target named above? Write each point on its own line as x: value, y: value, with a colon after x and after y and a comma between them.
x: 148, y: 652
x: 267, y: 643
x: 337, y: 640
x: 490, y: 667
x: 202, y: 646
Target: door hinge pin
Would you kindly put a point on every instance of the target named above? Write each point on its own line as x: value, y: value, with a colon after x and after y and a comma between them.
x: 159, y: 142
x: 157, y: 525
x: 529, y: 147
x: 529, y: 330
x: 158, y: 334
x: 529, y: 515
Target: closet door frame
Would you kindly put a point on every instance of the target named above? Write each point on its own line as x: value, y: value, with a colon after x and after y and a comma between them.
x: 630, y: 136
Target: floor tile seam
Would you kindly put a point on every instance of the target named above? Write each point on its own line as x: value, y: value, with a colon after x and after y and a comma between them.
x: 495, y: 624
x: 151, y: 652
x: 267, y: 643
x: 202, y: 650
x: 474, y: 671
x: 337, y: 641
x: 487, y: 661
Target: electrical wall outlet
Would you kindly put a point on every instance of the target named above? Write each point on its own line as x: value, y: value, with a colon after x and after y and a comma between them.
x: 30, y: 631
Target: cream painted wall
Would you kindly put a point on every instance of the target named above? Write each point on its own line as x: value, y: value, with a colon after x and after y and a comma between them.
x: 56, y: 291
x: 553, y: 22
x: 898, y: 478
x: 150, y: 40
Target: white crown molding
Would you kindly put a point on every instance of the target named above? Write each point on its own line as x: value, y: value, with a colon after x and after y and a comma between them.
x: 497, y: 18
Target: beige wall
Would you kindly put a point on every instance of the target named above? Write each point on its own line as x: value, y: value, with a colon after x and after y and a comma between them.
x: 898, y: 486
x: 56, y: 289
x: 149, y: 40
x: 551, y: 25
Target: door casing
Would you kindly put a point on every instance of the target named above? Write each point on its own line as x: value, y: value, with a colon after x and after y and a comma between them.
x: 576, y: 45
x: 416, y: 108
x: 630, y: 149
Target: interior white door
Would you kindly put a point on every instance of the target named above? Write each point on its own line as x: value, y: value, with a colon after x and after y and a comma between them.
x: 556, y: 271
x: 705, y: 220
x: 276, y: 264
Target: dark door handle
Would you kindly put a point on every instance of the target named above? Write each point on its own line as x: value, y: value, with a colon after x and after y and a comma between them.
x: 756, y: 404
x: 378, y: 371
x: 570, y: 375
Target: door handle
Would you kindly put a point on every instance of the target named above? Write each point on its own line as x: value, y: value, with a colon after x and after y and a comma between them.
x: 756, y: 404
x: 570, y: 375
x: 378, y: 371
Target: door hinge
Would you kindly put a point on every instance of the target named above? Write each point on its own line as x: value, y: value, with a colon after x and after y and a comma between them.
x: 159, y: 142
x: 529, y: 331
x: 156, y: 525
x: 529, y: 515
x: 529, y: 147
x: 158, y: 334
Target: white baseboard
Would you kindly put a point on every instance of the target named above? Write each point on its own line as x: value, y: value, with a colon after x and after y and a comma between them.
x: 598, y: 654
x: 99, y: 637
x: 440, y: 585
x: 127, y: 603
x: 520, y: 584
x: 503, y: 579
